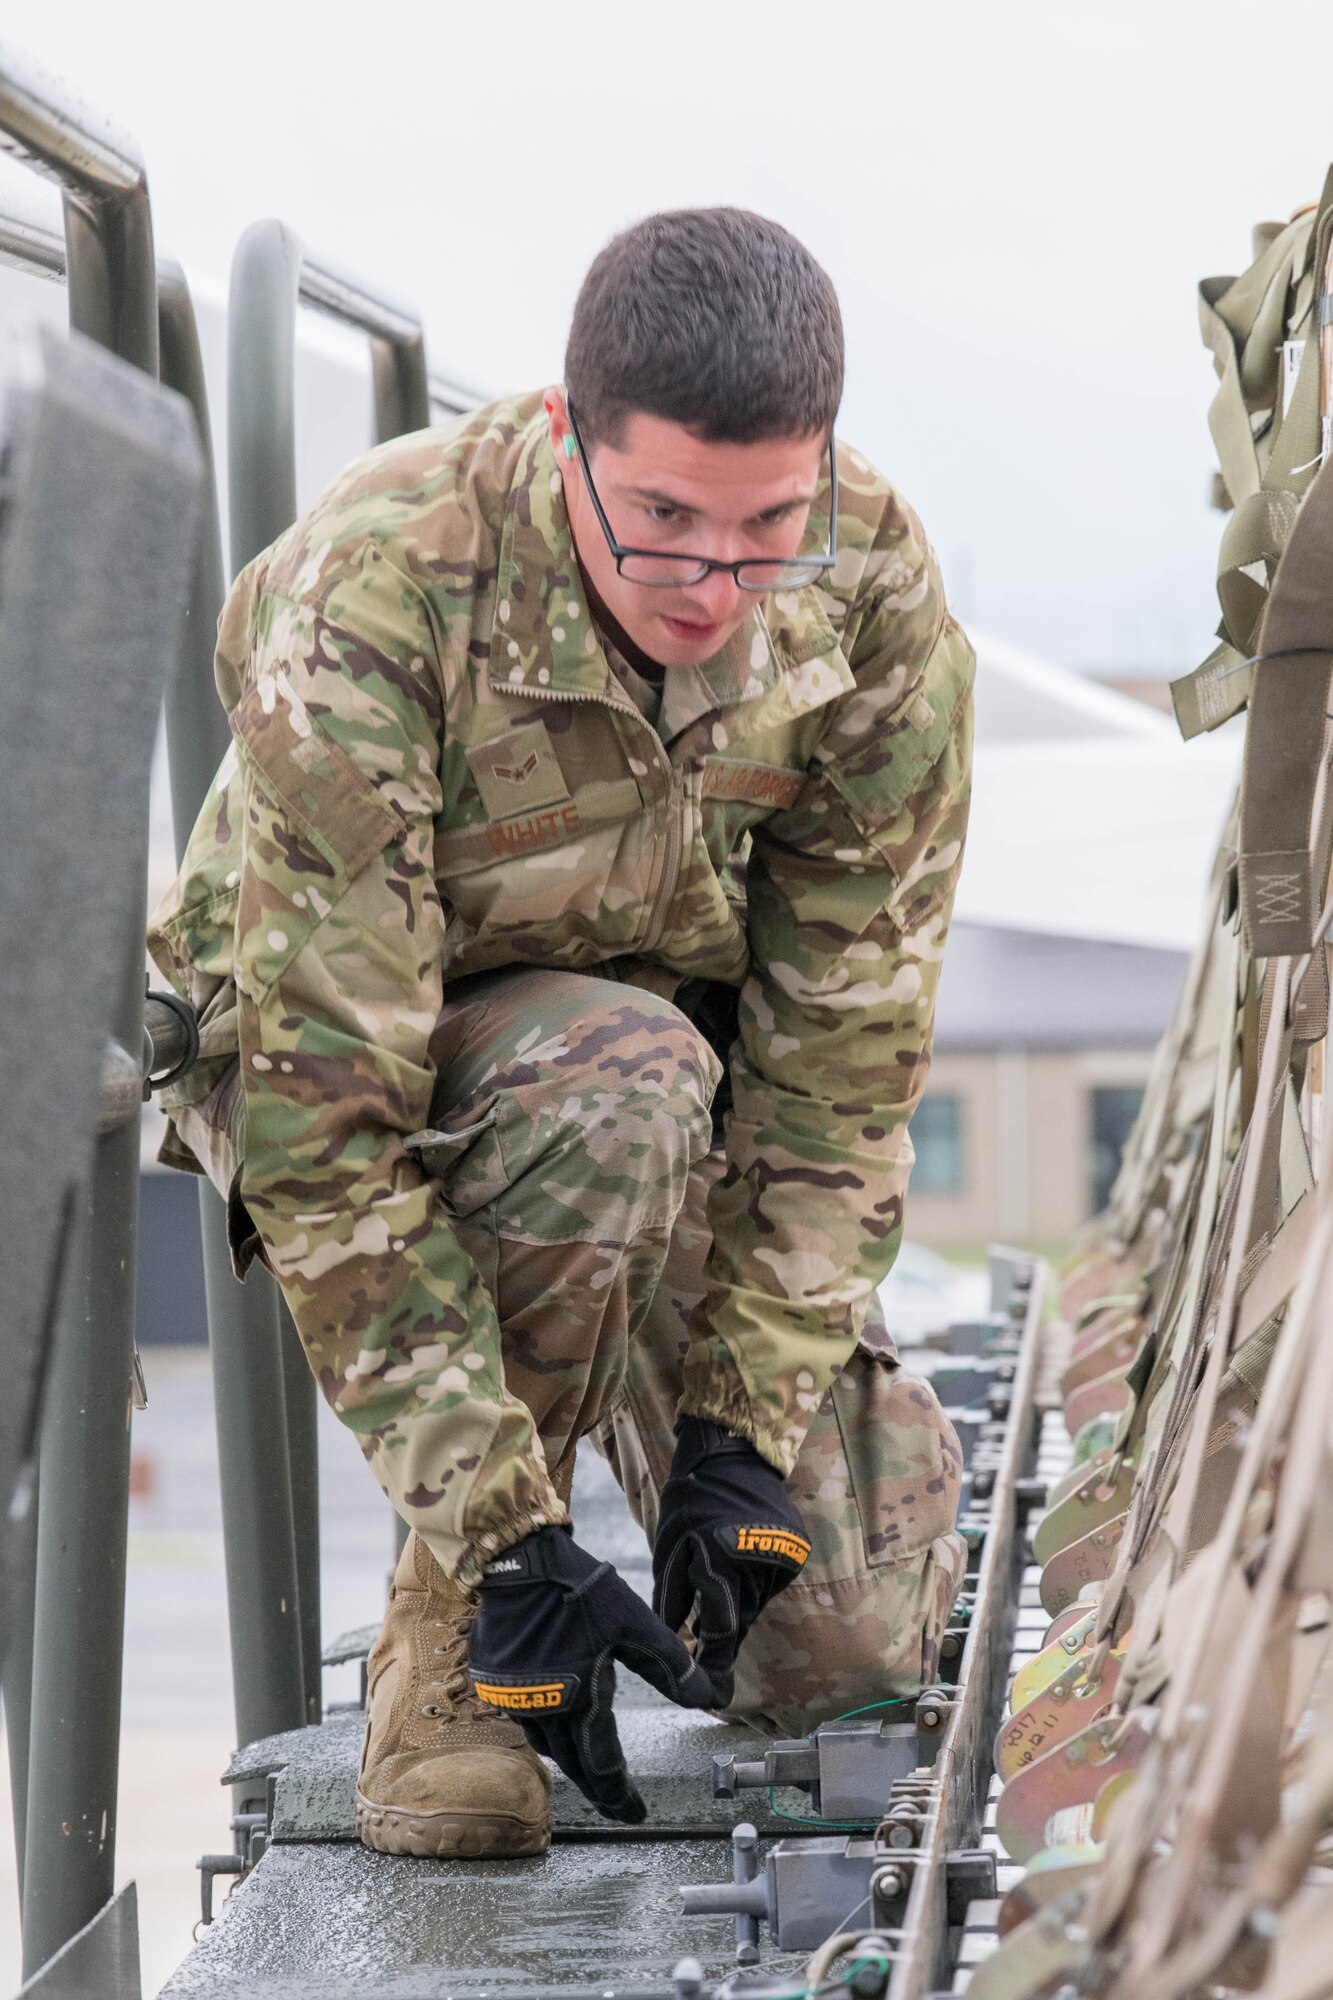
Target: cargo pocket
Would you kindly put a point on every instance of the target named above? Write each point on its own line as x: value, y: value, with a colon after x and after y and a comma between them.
x: 877, y: 781
x: 468, y: 1163
x: 904, y: 1463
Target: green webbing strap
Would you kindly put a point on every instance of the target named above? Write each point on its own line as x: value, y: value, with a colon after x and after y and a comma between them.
x: 1283, y: 840
x: 1268, y: 459
x: 1243, y: 321
x: 1295, y: 1177
x: 1253, y: 540
x: 1214, y: 692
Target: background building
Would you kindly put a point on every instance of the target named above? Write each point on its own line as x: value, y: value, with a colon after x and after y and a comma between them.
x: 1092, y: 832
x: 1042, y: 1047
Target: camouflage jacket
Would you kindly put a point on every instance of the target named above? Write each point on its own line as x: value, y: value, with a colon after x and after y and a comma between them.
x: 433, y: 774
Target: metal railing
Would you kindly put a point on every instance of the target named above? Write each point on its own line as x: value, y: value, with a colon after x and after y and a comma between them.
x: 62, y: 1675
x: 79, y: 1596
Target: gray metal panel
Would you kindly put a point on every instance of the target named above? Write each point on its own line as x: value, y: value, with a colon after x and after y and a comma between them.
x: 342, y: 1922
x: 94, y: 573
x: 669, y: 1752
x: 100, y: 1962
x: 101, y: 461
x: 353, y: 1645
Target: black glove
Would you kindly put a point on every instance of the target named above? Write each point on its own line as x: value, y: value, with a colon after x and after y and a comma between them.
x: 728, y: 1535
x: 551, y: 1622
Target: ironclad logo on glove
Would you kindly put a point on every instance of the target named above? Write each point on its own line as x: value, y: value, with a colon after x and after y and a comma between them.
x: 551, y: 1625
x: 729, y: 1538
x: 778, y: 1542
x: 528, y: 1697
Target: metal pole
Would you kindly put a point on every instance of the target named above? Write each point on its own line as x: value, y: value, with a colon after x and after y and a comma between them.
x: 258, y: 1536
x: 270, y: 276
x: 402, y: 394
x: 78, y: 1631
x: 261, y: 451
x: 197, y: 732
x: 302, y: 1406
x: 263, y: 1603
x: 17, y: 1683
x: 261, y: 388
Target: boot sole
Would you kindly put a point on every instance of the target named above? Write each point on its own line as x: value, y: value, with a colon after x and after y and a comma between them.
x: 450, y: 1835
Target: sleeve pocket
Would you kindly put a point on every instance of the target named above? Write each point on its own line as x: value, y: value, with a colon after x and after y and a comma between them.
x: 313, y: 820
x: 877, y: 781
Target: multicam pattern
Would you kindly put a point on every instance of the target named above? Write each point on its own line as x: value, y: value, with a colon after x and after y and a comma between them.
x: 876, y: 1482
x: 434, y: 776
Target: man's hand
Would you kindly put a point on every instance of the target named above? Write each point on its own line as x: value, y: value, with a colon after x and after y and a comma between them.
x: 728, y: 1535
x: 552, y: 1622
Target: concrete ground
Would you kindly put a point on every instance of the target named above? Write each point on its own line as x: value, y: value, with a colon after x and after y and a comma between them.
x: 177, y: 1729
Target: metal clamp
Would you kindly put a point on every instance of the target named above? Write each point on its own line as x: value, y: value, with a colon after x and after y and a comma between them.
x: 846, y: 1769
x: 210, y: 1866
x: 804, y: 1890
x: 250, y: 1832
x: 171, y: 1037
x: 934, y: 1706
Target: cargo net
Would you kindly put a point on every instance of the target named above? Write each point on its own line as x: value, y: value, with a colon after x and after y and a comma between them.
x: 1166, y: 1768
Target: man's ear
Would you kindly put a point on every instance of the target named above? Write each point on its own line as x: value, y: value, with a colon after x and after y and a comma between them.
x: 557, y: 420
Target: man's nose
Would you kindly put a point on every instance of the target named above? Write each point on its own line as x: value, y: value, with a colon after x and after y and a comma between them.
x: 716, y: 597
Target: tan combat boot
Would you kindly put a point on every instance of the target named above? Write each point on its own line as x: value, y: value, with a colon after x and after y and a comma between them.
x: 441, y: 1773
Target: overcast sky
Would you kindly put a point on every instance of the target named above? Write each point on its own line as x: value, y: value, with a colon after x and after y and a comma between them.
x: 1016, y: 202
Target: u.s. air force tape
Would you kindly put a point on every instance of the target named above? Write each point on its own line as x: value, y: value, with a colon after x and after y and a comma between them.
x: 527, y: 1697
x: 779, y: 1542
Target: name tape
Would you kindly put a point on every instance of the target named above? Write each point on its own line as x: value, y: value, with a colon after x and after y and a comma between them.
x: 759, y: 783
x: 533, y: 831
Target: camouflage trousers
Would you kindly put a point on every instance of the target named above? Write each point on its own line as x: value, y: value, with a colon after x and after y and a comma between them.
x: 574, y: 1147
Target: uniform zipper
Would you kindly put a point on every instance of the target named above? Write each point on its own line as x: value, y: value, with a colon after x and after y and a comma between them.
x: 664, y: 888
x: 669, y: 880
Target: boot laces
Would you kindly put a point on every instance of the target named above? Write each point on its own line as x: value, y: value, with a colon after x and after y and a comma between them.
x: 450, y: 1689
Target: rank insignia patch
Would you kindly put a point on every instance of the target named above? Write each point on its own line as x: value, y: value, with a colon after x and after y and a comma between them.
x: 518, y: 772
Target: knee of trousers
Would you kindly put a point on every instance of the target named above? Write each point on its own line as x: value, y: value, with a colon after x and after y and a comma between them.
x: 572, y: 1107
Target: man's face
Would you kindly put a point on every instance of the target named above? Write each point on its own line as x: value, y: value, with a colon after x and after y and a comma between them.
x: 667, y: 490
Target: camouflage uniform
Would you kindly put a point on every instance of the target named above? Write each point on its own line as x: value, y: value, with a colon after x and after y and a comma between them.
x: 573, y: 1146
x: 436, y: 776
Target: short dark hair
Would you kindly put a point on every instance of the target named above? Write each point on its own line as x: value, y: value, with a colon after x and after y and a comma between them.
x: 712, y: 318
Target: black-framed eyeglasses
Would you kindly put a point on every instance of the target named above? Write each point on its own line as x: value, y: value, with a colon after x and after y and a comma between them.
x: 661, y: 570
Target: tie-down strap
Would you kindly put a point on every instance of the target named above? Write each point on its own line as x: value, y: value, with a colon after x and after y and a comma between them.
x: 1285, y: 801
